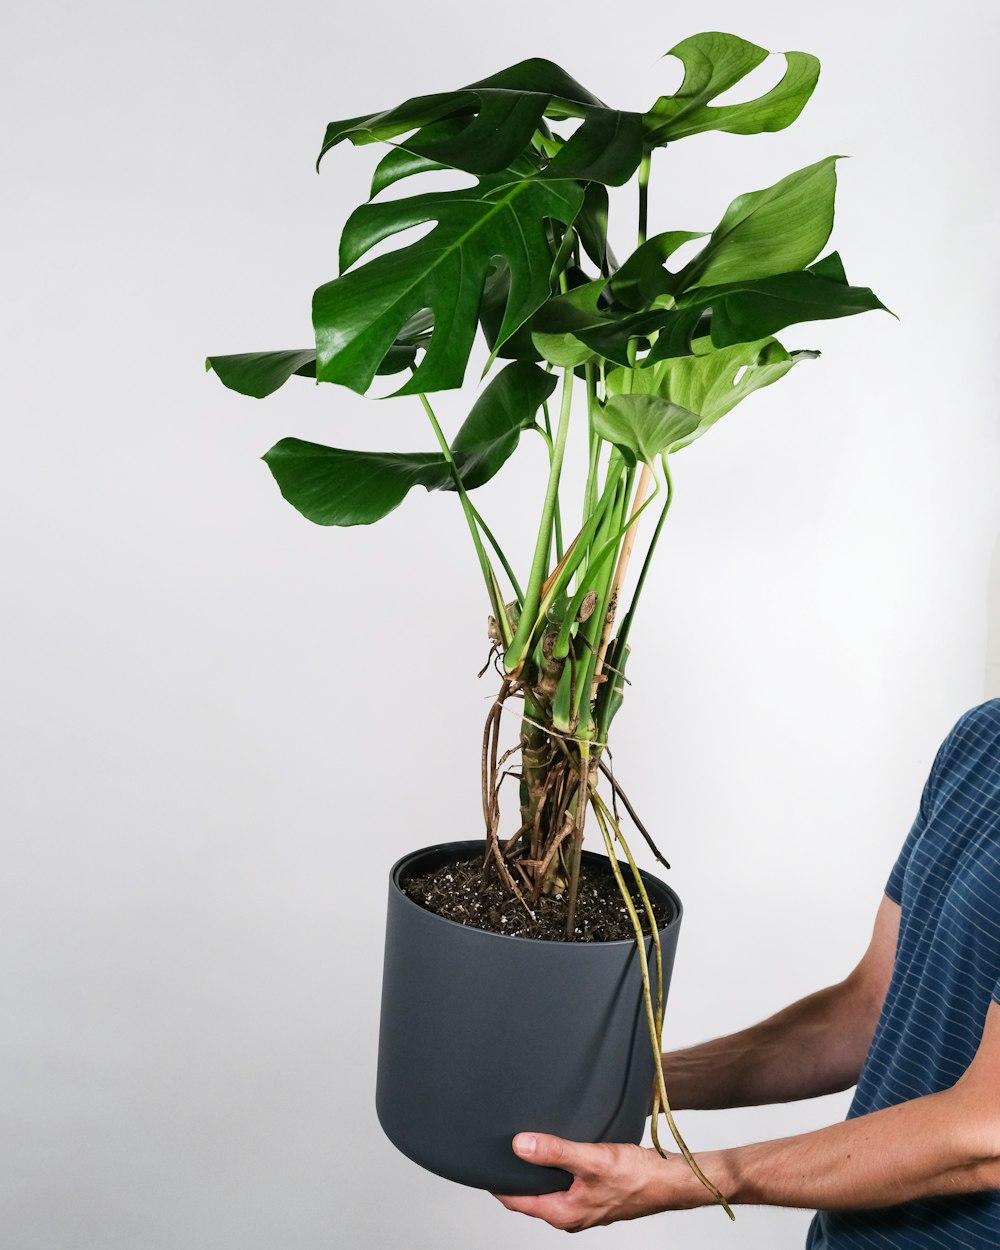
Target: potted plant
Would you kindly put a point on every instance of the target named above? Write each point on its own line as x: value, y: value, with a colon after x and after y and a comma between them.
x: 524, y: 977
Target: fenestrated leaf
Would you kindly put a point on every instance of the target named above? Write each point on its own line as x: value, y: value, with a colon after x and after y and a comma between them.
x: 775, y: 230
x: 260, y: 374
x: 496, y: 292
x: 642, y: 279
x: 399, y: 163
x: 711, y: 382
x: 643, y: 427
x: 713, y: 62
x: 606, y: 147
x: 336, y: 486
x: 498, y: 117
x: 358, y: 315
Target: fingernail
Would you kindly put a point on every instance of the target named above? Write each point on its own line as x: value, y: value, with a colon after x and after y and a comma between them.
x: 524, y: 1143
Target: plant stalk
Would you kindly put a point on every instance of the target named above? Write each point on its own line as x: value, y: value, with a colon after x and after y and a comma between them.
x: 489, y: 576
x: 604, y: 701
x: 644, y: 196
x: 645, y: 477
x: 517, y: 647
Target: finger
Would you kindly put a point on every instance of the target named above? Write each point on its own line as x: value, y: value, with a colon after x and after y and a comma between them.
x: 548, y: 1207
x: 545, y: 1149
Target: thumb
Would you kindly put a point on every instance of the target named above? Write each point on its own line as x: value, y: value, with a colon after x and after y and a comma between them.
x: 544, y: 1148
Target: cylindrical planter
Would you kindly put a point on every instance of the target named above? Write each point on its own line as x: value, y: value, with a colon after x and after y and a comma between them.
x: 484, y: 1035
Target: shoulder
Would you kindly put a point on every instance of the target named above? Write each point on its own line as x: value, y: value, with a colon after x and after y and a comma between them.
x: 983, y: 718
x: 976, y: 733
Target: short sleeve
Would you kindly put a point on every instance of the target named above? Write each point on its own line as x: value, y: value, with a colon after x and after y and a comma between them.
x: 894, y: 885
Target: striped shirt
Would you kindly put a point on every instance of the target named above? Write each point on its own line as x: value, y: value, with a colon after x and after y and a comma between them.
x: 946, y: 973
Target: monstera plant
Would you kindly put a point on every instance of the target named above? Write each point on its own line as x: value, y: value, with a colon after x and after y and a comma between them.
x: 646, y: 353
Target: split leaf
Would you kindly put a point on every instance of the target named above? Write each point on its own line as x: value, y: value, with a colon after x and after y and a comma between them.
x: 260, y: 374
x: 713, y: 62
x: 337, y: 486
x: 358, y: 316
x: 494, y: 120
x: 712, y: 382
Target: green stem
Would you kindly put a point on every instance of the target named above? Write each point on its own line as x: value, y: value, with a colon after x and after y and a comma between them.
x: 596, y: 526
x: 594, y: 627
x: 499, y: 550
x: 602, y: 554
x: 557, y: 516
x: 603, y: 717
x: 643, y: 196
x: 489, y: 576
x: 593, y: 443
x: 518, y: 646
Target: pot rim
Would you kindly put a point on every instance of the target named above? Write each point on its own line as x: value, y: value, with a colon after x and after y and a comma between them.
x: 400, y: 864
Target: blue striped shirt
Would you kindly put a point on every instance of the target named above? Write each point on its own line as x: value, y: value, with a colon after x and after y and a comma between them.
x: 946, y: 973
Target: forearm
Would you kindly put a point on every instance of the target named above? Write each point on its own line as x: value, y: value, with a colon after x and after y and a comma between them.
x: 939, y: 1144
x: 815, y: 1046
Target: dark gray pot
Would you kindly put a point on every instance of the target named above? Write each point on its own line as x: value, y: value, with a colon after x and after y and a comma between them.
x: 485, y: 1035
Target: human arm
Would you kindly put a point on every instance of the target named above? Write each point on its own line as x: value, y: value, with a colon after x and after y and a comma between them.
x: 815, y: 1046
x: 942, y: 1143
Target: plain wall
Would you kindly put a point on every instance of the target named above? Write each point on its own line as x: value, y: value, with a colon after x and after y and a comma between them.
x: 221, y: 724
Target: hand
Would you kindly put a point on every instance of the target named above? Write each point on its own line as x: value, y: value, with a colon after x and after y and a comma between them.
x: 610, y: 1182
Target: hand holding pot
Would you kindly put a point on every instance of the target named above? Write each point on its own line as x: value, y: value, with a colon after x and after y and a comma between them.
x: 611, y: 1182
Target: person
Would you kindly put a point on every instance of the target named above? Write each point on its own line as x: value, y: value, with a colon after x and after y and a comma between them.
x: 916, y: 1026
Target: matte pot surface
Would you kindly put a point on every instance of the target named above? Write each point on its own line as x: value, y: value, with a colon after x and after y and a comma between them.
x: 484, y: 1035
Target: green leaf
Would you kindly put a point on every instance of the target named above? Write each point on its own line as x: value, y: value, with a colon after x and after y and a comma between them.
x: 496, y: 293
x: 775, y: 230
x: 495, y: 119
x: 490, y: 433
x: 643, y: 427
x: 711, y: 382
x: 262, y: 373
x: 744, y: 311
x: 714, y: 62
x: 566, y: 313
x: 606, y: 148
x: 591, y: 224
x: 336, y: 486
x: 358, y: 316
x: 399, y: 162
x: 642, y: 279
x: 581, y: 316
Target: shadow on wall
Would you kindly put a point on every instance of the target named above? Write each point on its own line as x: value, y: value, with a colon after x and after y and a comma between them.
x: 993, y: 627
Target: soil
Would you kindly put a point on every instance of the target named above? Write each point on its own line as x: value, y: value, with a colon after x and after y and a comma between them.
x: 456, y: 892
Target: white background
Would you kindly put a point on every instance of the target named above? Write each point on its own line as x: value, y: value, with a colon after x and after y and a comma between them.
x: 221, y: 724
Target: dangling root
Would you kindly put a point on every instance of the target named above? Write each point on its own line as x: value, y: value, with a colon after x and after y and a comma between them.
x: 618, y: 792
x: 654, y: 1016
x: 491, y: 798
